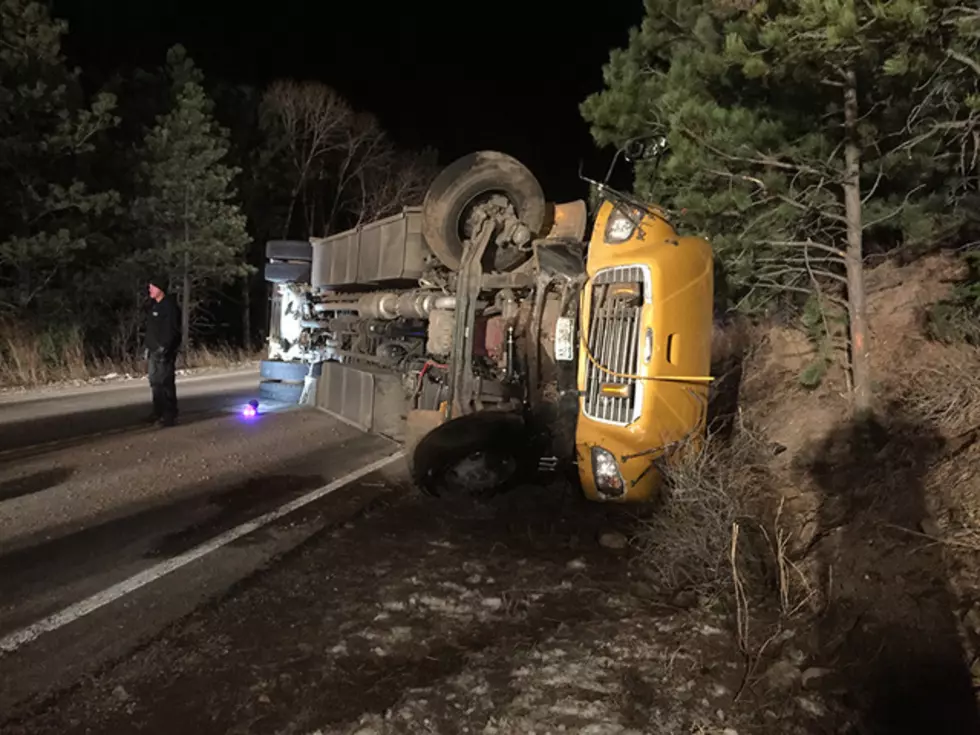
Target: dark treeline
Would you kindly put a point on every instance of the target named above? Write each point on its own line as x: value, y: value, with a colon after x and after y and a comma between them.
x: 162, y: 170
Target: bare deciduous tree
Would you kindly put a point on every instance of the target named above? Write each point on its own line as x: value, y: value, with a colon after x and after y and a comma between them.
x: 344, y: 169
x: 308, y: 122
x: 398, y: 180
x: 366, y: 148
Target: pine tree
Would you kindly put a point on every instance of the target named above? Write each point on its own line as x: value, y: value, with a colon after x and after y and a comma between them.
x: 47, y: 211
x: 948, y: 121
x: 789, y: 129
x: 194, y: 228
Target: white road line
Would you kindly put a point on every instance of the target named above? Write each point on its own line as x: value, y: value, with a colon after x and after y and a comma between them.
x: 15, y: 640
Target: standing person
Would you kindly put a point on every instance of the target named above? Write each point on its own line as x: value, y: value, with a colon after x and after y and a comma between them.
x: 162, y: 343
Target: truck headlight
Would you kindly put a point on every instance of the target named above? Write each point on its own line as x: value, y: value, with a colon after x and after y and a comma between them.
x: 605, y: 472
x: 621, y: 225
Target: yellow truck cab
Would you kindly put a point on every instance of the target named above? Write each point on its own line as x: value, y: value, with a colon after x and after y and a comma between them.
x: 645, y: 350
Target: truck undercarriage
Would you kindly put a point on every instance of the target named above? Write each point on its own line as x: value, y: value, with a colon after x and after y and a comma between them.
x: 491, y: 336
x: 414, y: 323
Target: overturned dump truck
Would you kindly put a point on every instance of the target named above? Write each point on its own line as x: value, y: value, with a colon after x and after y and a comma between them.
x: 499, y: 335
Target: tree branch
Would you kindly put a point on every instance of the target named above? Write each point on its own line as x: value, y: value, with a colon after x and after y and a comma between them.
x: 897, y: 210
x: 964, y: 59
x: 750, y: 179
x: 874, y: 187
x: 807, y: 271
x: 806, y: 244
x: 804, y: 208
x: 761, y: 160
x: 798, y: 289
x: 800, y: 260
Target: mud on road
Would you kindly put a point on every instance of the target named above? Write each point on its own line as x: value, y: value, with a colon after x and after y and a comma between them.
x: 412, y: 616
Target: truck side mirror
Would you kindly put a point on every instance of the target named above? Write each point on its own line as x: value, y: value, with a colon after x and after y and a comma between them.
x: 634, y: 149
x: 639, y: 148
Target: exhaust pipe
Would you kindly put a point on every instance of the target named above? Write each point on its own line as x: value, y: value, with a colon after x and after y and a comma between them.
x: 392, y: 304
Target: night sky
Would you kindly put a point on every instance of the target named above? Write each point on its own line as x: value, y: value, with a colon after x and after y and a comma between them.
x: 504, y: 75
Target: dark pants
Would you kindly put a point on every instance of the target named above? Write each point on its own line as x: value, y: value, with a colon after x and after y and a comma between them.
x: 162, y: 373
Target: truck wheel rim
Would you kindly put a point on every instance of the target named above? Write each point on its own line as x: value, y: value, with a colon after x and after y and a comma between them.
x: 481, y: 471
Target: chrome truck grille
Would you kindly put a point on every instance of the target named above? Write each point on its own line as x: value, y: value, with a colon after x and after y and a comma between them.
x: 618, y: 295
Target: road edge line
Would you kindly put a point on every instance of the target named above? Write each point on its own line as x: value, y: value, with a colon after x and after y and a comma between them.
x: 12, y: 641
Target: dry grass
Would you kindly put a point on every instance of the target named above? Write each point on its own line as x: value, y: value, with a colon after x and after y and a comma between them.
x: 709, y: 495
x: 946, y: 392
x: 724, y: 531
x: 29, y: 359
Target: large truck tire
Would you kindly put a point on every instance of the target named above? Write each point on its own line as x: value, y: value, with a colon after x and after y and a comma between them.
x: 463, y: 183
x: 273, y: 390
x: 287, y: 272
x: 477, y: 455
x: 300, y: 250
x: 291, y: 372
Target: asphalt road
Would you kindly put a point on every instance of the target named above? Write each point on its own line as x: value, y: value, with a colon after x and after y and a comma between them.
x: 60, y: 415
x: 111, y: 529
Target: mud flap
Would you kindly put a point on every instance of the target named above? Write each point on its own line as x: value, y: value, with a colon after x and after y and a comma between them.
x: 347, y: 393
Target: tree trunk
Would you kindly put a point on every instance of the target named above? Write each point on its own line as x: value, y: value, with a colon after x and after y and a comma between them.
x: 246, y: 315
x: 23, y: 289
x: 338, y: 191
x: 308, y: 230
x: 856, y: 294
x: 289, y: 214
x: 185, y: 311
x: 185, y: 316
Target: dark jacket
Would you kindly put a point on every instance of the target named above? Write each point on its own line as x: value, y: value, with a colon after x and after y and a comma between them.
x: 163, y: 326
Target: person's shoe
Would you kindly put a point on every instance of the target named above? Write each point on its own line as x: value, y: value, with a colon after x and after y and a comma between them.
x: 153, y: 419
x: 169, y: 421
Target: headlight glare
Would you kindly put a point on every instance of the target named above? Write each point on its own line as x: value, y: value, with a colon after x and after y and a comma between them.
x: 621, y: 225
x: 605, y: 472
